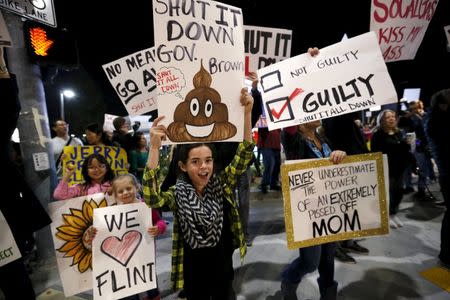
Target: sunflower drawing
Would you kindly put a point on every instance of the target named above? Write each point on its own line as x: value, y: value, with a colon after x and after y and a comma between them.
x: 76, y: 232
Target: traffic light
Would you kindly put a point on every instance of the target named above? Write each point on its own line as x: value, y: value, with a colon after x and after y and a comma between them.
x: 50, y: 46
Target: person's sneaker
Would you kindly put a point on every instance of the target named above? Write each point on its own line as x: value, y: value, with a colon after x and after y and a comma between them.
x: 392, y: 223
x: 288, y: 290
x: 343, y: 257
x: 398, y: 221
x: 354, y: 247
x: 182, y: 295
x: 439, y: 203
x: 249, y: 243
x: 263, y: 189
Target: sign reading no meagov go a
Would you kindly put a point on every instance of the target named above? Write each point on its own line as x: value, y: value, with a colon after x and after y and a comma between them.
x: 326, y: 202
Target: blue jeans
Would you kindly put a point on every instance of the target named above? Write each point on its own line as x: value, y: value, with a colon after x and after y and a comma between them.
x: 272, y: 162
x: 319, y: 257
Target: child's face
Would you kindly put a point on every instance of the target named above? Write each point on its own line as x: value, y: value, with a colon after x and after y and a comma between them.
x: 96, y: 170
x: 199, y: 167
x: 124, y: 191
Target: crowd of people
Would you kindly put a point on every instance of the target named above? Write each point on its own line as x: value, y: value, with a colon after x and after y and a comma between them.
x: 209, y: 197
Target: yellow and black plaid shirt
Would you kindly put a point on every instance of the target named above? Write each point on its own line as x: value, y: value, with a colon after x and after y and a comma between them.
x: 156, y: 199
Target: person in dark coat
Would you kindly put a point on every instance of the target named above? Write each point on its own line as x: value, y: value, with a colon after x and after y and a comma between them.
x: 437, y: 129
x: 344, y: 134
x: 19, y: 205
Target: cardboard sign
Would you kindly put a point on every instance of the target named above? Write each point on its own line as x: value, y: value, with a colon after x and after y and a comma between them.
x: 345, y: 77
x: 116, y: 156
x: 265, y: 46
x: 400, y: 26
x: 71, y: 228
x: 8, y: 248
x: 124, y: 253
x: 133, y: 79
x: 325, y: 202
x: 200, y: 70
x: 5, y: 38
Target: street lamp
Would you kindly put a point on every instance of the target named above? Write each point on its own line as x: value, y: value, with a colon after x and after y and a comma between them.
x: 68, y: 94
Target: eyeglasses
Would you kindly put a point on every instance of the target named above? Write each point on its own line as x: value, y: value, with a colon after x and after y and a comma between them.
x: 99, y: 167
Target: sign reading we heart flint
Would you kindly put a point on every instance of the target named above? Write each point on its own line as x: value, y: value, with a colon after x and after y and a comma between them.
x: 123, y: 251
x: 345, y: 77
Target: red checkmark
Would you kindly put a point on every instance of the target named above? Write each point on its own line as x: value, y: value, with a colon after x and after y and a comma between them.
x: 294, y: 94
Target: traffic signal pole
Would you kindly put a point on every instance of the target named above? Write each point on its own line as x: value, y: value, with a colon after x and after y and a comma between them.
x: 33, y: 125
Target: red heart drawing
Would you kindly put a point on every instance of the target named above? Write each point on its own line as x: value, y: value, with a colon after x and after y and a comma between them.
x: 121, y: 250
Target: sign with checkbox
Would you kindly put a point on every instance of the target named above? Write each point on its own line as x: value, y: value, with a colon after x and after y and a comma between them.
x: 345, y: 77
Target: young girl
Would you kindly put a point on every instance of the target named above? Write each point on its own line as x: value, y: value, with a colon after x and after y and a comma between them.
x: 206, y: 227
x: 125, y: 190
x: 97, y: 174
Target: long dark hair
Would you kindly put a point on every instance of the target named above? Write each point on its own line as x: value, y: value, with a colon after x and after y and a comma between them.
x: 185, y: 149
x: 109, y: 175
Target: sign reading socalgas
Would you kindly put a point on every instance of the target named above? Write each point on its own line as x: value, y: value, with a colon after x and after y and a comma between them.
x: 325, y: 202
x: 38, y: 10
x: 345, y: 77
x: 400, y: 26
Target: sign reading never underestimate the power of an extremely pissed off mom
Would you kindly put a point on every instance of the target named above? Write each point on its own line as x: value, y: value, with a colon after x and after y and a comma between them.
x: 345, y: 77
x: 133, y: 77
x: 325, y: 202
x: 200, y: 70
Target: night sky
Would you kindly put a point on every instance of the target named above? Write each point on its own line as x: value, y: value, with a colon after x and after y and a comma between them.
x: 105, y: 33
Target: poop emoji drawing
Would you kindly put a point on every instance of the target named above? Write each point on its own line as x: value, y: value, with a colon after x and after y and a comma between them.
x: 201, y: 116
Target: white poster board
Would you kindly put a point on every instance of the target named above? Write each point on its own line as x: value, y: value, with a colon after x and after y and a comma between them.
x: 123, y: 251
x: 71, y: 227
x: 8, y: 248
x: 345, y: 77
x: 265, y: 46
x: 200, y: 70
x: 400, y: 26
x: 42, y: 11
x: 5, y: 38
x: 325, y: 202
x: 133, y: 77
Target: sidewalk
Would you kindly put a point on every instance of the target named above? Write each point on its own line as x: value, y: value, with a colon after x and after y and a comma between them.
x: 390, y: 271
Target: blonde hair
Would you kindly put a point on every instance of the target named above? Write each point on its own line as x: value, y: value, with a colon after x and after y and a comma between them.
x: 381, y: 119
x: 132, y: 179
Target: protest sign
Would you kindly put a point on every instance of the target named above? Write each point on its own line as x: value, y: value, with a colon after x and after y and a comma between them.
x: 116, y: 156
x: 325, y: 202
x: 71, y: 231
x: 345, y: 77
x: 5, y: 38
x: 133, y: 79
x: 400, y: 26
x: 8, y: 248
x: 200, y: 70
x: 265, y: 46
x: 124, y: 253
